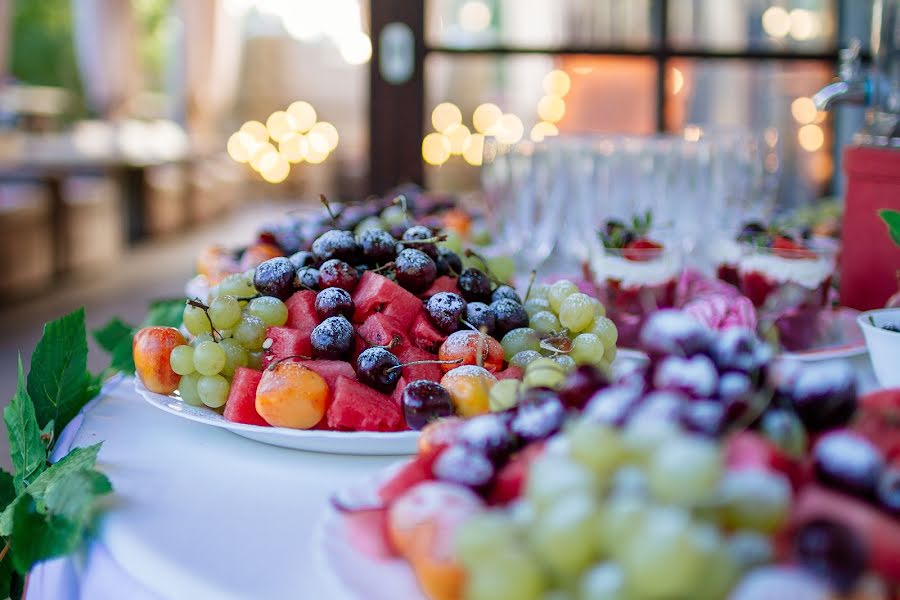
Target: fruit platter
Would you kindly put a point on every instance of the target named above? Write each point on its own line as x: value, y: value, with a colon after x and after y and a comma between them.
x: 347, y: 331
x: 708, y: 472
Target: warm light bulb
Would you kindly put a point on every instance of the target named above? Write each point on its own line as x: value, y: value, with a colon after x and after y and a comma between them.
x: 262, y: 156
x: 804, y: 110
x: 315, y: 156
x: 510, y: 129
x: 541, y: 130
x: 279, y: 124
x: 776, y: 21
x: 328, y: 131
x: 304, y: 115
x: 551, y: 108
x: 444, y: 115
x: 294, y: 147
x: 256, y: 130
x: 486, y: 116
x: 457, y: 134
x: 435, y: 148
x: 557, y: 83
x: 240, y: 146
x: 276, y: 168
x: 474, y: 149
x: 811, y: 137
x: 474, y: 16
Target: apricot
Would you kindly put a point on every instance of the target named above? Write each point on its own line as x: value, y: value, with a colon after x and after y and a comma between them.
x: 257, y: 254
x: 151, y: 349
x: 469, y: 387
x: 464, y: 346
x: 291, y: 395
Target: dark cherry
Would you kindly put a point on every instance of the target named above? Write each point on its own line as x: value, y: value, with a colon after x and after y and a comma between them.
x: 849, y: 462
x: 417, y: 233
x: 738, y: 349
x: 336, y: 243
x: 734, y: 386
x: 479, y: 315
x: 378, y: 246
x: 888, y: 492
x: 332, y: 302
x: 306, y: 278
x: 424, y: 401
x: 832, y: 551
x: 505, y: 292
x: 695, y: 376
x: 823, y: 395
x: 474, y: 285
x: 613, y: 405
x: 448, y: 262
x: 303, y: 258
x: 275, y: 277
x: 379, y: 368
x: 445, y: 310
x: 539, y: 420
x: 464, y: 466
x: 337, y: 273
x: 509, y: 315
x: 414, y: 270
x: 706, y: 417
x: 580, y: 385
x: 332, y: 338
x: 673, y: 332
x: 490, y: 435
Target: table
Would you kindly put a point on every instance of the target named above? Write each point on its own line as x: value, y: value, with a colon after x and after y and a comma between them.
x: 200, y: 513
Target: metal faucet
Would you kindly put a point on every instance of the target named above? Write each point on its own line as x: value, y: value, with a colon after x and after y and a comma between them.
x: 853, y: 86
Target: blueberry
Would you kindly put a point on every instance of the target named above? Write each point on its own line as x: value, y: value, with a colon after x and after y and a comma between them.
x: 303, y: 258
x: 537, y: 421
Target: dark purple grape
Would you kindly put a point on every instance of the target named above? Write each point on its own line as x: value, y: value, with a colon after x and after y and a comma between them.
x: 336, y: 244
x: 464, y: 466
x: 822, y: 394
x: 275, y: 277
x: 705, y: 417
x: 613, y: 405
x: 738, y: 349
x: 337, y: 273
x: 332, y: 302
x: 831, y: 551
x: 848, y: 462
x: 445, y: 310
x: 418, y: 233
x: 378, y: 246
x: 674, y: 332
x: 505, y: 292
x: 424, y: 401
x: 306, y: 278
x: 474, y: 285
x: 695, y: 376
x: 734, y: 386
x: 490, y: 435
x: 414, y: 270
x: 580, y: 385
x: 479, y: 315
x: 888, y: 490
x: 303, y: 258
x: 332, y: 338
x: 378, y: 368
x: 538, y: 420
x: 509, y: 315
x: 448, y: 262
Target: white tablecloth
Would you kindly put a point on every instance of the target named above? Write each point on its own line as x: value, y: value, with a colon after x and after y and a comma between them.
x: 200, y: 513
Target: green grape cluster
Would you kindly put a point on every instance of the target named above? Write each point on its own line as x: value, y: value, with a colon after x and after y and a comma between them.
x: 225, y: 334
x: 599, y: 521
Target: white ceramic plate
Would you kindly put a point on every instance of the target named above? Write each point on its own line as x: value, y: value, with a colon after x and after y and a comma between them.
x: 371, y: 443
x: 841, y: 338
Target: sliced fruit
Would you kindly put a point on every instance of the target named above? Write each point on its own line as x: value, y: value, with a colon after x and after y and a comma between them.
x: 286, y: 342
x: 465, y: 346
x: 424, y: 335
x: 376, y: 293
x: 291, y: 395
x: 408, y: 354
x: 444, y: 283
x: 241, y: 404
x: 642, y: 250
x: 381, y: 330
x: 302, y: 310
x: 357, y: 407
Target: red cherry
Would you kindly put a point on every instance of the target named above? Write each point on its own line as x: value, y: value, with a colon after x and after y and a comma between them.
x: 642, y: 250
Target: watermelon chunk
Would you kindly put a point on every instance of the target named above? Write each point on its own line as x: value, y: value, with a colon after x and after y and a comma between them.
x: 511, y: 372
x: 330, y: 370
x: 377, y: 294
x: 397, y: 394
x: 302, y: 310
x: 415, y: 372
x: 241, y: 404
x: 287, y: 341
x: 359, y: 345
x: 424, y: 335
x: 357, y: 407
x: 380, y: 329
x: 444, y: 283
x: 511, y: 479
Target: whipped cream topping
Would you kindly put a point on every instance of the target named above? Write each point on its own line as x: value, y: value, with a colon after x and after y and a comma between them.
x: 727, y: 251
x: 634, y: 273
x: 807, y: 272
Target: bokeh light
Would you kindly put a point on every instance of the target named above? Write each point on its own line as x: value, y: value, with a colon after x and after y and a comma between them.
x: 804, y: 24
x: 261, y: 155
x: 551, y: 108
x: 444, y: 115
x: 776, y: 21
x: 279, y: 124
x: 435, y: 149
x: 240, y: 146
x: 811, y: 137
x: 541, y: 130
x: 328, y: 131
x: 677, y: 80
x: 510, y: 129
x: 315, y: 156
x: 474, y: 16
x: 457, y: 134
x: 473, y: 151
x: 557, y: 83
x: 804, y: 110
x: 275, y: 168
x: 256, y: 130
x: 356, y: 48
x: 485, y: 117
x: 304, y: 114
x: 294, y: 147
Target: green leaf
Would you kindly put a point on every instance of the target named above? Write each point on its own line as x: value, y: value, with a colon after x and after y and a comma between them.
x: 59, y: 376
x: 37, y: 535
x: 29, y: 455
x: 73, y: 494
x: 165, y: 313
x: 892, y: 219
x: 7, y: 491
x: 113, y: 334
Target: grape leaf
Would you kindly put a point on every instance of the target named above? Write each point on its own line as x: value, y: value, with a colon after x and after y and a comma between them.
x: 7, y: 492
x: 165, y: 313
x: 73, y: 494
x: 29, y: 455
x: 892, y: 219
x: 116, y: 337
x: 112, y: 334
x: 37, y: 535
x: 58, y: 380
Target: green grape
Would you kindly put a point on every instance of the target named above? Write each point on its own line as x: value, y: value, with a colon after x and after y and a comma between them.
x: 563, y: 536
x: 480, y: 235
x: 535, y: 305
x: 203, y: 337
x: 237, y: 285
x: 565, y: 361
x: 181, y: 359
x: 609, y: 354
x: 755, y: 499
x: 187, y: 388
x: 195, y: 320
x: 599, y: 309
x: 524, y: 358
x: 605, y: 581
x: 209, y: 358
x: 544, y: 322
x: 559, y: 291
x: 250, y: 332
x: 213, y: 390
x: 544, y: 372
x: 576, y: 312
x: 271, y: 310
x: 483, y: 535
x: 511, y: 574
x: 620, y: 518
x: 368, y: 223
x: 587, y: 349
x: 552, y: 477
x: 454, y: 242
x: 235, y: 356
x: 503, y: 394
x: 225, y: 312
x: 685, y: 470
x: 643, y: 436
x: 605, y: 329
x: 393, y: 216
x: 523, y: 338
x: 540, y: 290
x: 721, y: 570
x: 255, y: 360
x: 662, y: 560
x: 502, y: 267
x: 597, y: 447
